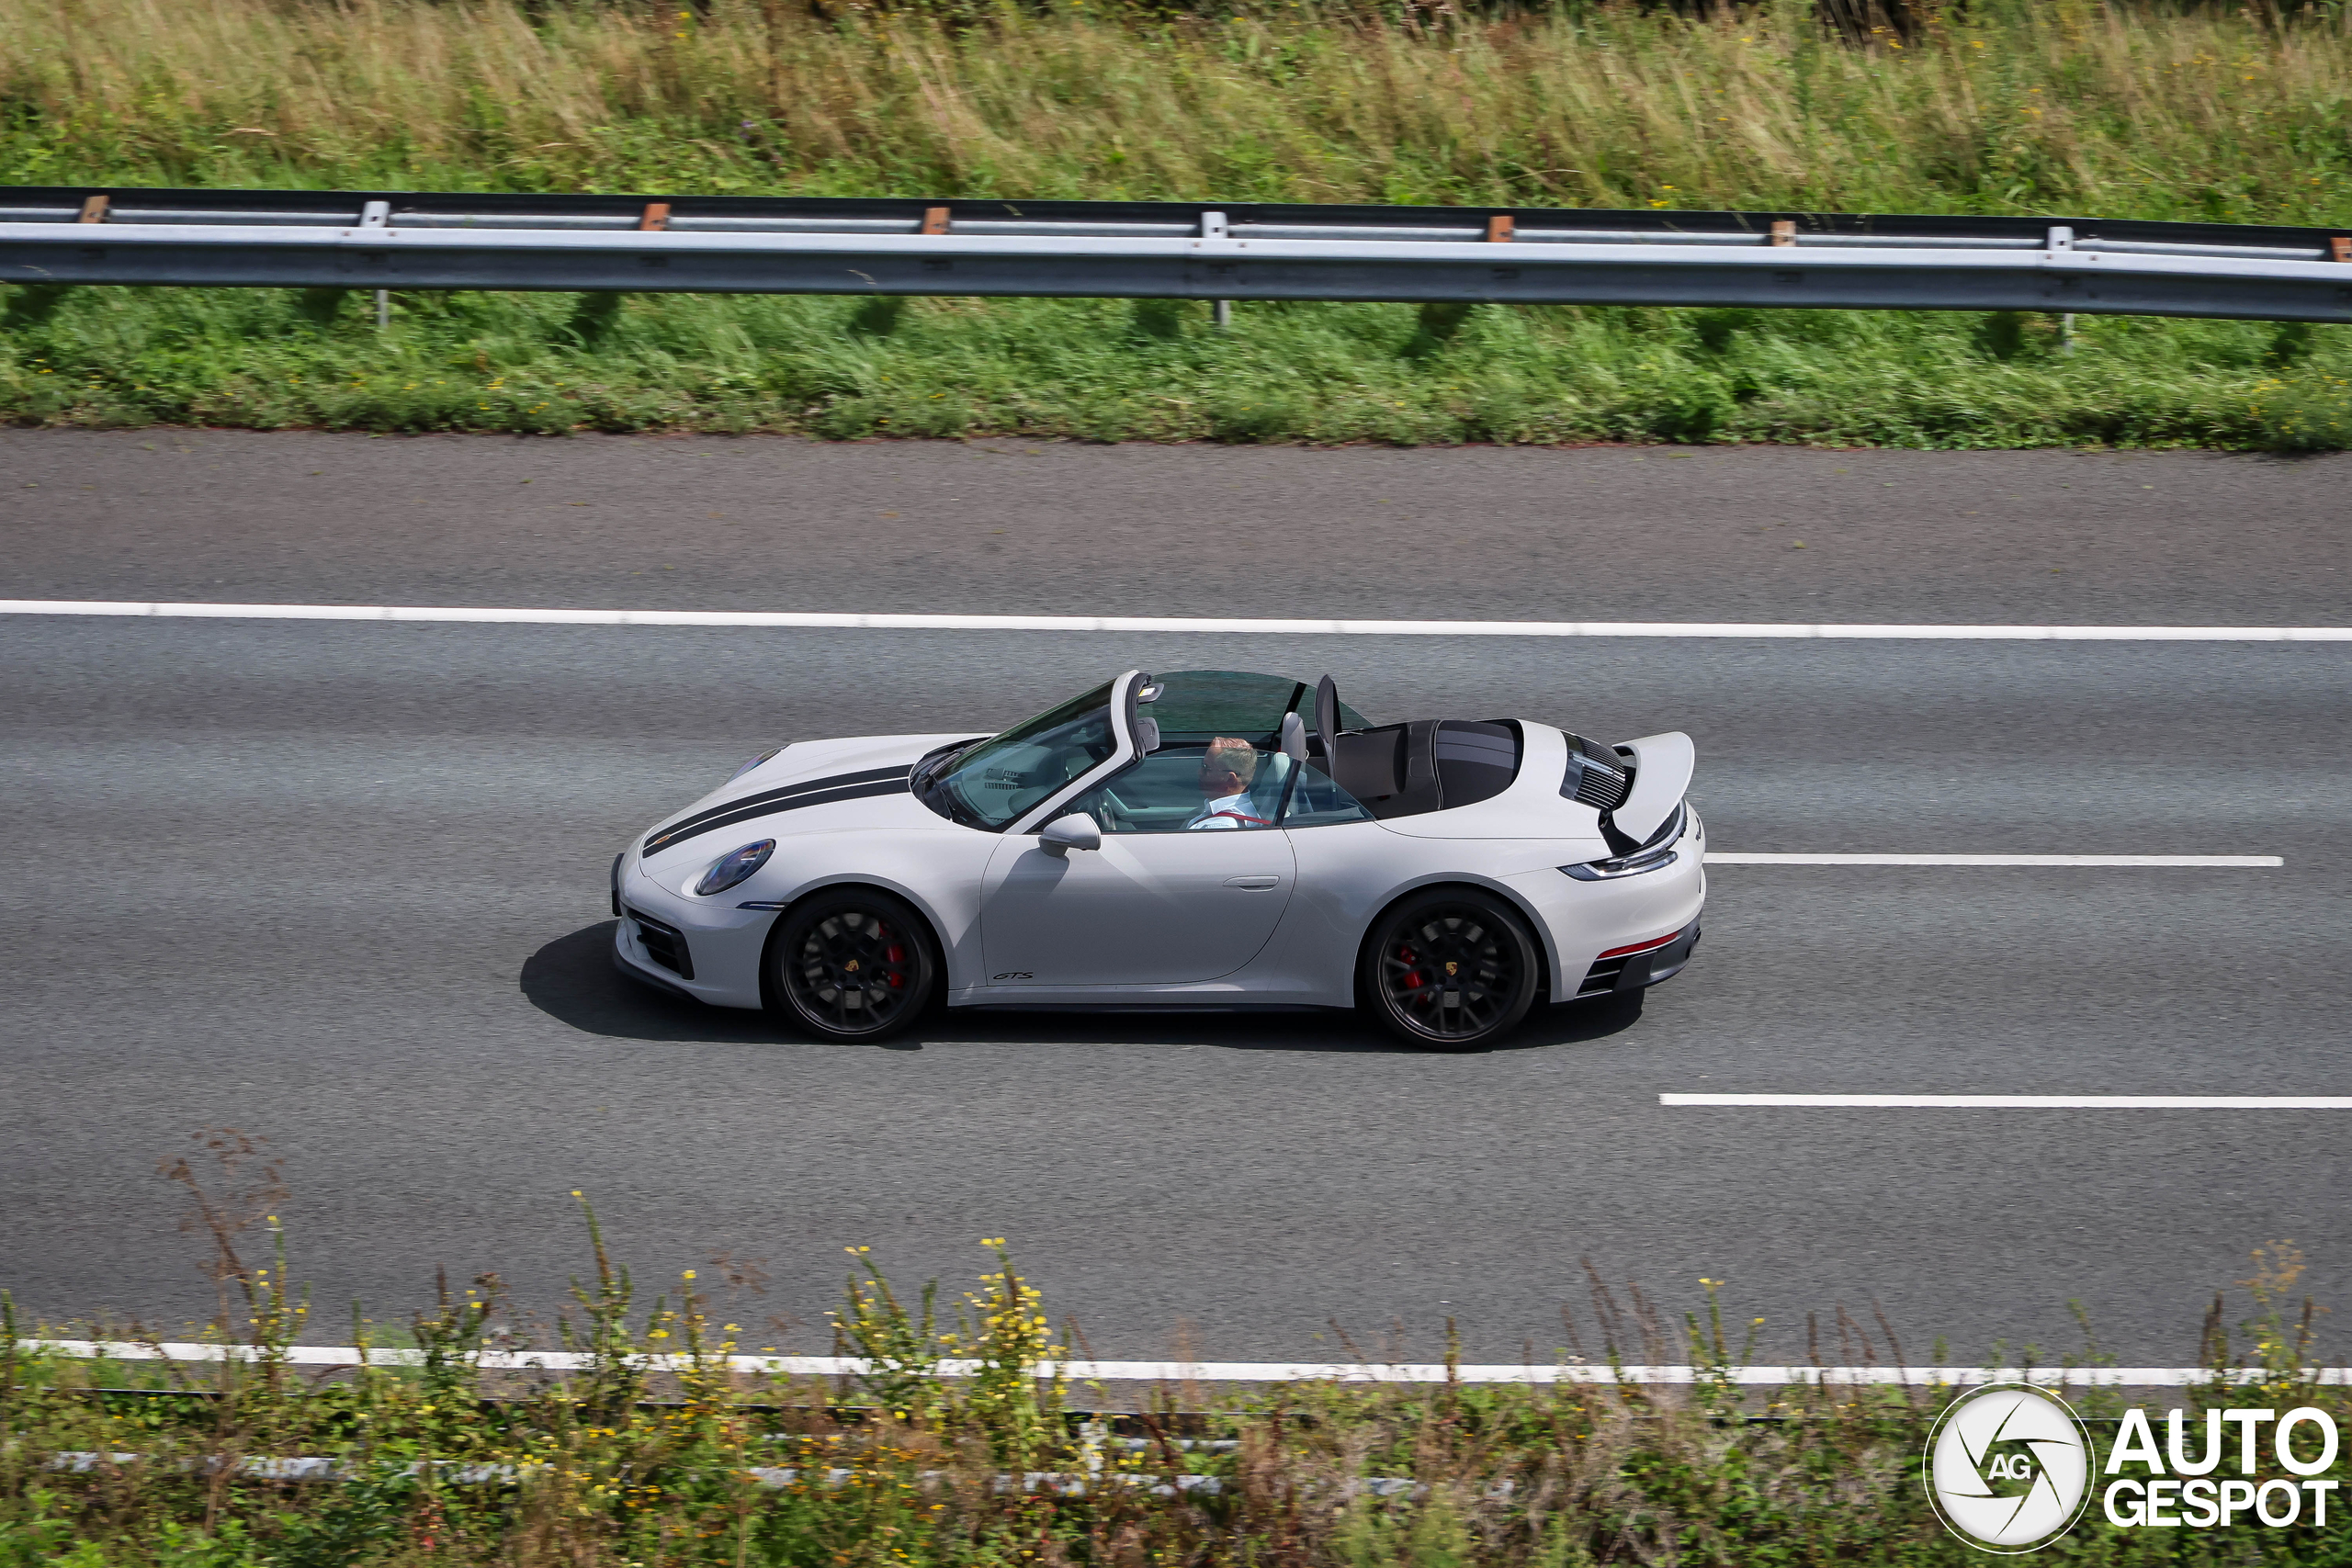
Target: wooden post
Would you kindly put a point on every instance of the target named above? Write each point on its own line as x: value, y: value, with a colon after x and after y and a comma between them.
x: 1499, y: 228
x: 935, y: 220
x: 772, y: 14
x: 94, y: 210
x: 2340, y: 248
x: 657, y: 215
x: 1784, y: 233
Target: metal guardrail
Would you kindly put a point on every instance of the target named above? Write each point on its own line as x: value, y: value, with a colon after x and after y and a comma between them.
x: 789, y: 245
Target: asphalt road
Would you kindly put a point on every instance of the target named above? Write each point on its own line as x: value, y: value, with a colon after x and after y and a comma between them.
x: 342, y: 884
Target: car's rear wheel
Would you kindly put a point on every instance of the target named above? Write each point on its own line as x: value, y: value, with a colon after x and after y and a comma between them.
x: 1451, y: 970
x: 855, y: 964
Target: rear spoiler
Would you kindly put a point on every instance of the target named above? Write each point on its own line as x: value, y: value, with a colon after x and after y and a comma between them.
x: 1662, y: 767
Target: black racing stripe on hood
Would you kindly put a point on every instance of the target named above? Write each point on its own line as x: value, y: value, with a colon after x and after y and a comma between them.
x: 782, y: 792
x: 810, y: 792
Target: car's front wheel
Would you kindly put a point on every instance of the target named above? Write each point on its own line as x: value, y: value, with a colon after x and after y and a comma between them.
x: 855, y: 964
x: 1451, y: 970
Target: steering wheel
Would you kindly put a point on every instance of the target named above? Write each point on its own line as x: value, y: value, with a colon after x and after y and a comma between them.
x: 1116, y: 818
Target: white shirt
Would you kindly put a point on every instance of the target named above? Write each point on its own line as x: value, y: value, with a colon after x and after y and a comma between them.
x: 1215, y: 813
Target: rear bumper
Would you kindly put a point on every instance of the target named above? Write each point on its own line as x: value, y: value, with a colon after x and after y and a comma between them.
x: 1630, y: 971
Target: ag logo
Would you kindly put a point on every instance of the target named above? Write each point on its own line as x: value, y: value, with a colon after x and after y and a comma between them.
x: 2009, y: 1468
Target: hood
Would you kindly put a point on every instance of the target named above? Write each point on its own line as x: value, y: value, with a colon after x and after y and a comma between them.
x: 804, y: 774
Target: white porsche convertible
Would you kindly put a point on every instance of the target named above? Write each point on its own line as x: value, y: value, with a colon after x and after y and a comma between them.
x: 1209, y: 839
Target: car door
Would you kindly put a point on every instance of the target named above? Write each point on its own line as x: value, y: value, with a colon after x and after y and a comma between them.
x: 1157, y: 905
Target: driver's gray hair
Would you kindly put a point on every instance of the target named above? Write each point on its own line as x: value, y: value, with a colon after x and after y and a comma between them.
x: 1226, y: 754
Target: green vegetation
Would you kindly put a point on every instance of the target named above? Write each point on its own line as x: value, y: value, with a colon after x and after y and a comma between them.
x: 626, y: 1461
x: 2063, y: 107
x: 1111, y: 370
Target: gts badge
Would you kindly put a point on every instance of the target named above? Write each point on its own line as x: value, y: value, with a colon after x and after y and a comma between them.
x: 1013, y: 975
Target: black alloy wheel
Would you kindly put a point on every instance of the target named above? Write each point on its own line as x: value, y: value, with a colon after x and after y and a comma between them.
x: 853, y: 964
x: 1451, y: 971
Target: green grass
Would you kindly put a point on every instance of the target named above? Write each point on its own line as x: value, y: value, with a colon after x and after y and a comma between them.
x: 2063, y: 107
x: 1154, y: 370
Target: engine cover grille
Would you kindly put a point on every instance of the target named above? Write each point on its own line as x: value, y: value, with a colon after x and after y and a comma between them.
x: 1595, y: 776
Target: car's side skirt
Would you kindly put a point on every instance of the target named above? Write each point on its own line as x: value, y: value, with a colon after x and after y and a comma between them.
x: 997, y: 1004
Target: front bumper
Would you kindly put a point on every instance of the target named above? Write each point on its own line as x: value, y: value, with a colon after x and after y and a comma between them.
x: 707, y: 950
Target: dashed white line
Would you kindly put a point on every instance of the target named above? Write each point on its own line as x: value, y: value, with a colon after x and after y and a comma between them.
x: 1219, y: 625
x: 2024, y: 1101
x: 2237, y: 863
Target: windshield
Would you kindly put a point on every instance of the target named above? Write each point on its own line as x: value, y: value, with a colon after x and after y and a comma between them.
x: 990, y: 784
x: 1201, y: 704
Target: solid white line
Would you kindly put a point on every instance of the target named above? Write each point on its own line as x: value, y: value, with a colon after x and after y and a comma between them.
x: 2257, y: 862
x: 834, y: 621
x: 1233, y: 1372
x: 2029, y: 1101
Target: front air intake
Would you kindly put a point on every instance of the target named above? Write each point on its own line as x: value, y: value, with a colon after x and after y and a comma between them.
x: 665, y: 943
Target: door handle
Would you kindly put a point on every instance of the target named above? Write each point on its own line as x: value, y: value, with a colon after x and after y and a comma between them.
x: 1253, y: 883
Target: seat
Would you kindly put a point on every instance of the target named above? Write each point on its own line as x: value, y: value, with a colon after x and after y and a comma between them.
x: 1266, y: 789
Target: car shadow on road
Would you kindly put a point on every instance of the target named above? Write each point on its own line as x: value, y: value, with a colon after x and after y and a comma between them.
x: 572, y: 980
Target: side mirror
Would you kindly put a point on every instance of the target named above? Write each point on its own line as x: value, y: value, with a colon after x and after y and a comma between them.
x: 1075, y: 832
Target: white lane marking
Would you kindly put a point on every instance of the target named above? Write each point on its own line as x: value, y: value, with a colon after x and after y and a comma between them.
x: 1221, y: 625
x: 2248, y: 863
x: 1235, y: 1372
x: 2027, y: 1101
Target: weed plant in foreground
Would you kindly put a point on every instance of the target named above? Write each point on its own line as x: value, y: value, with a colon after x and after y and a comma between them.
x: 2068, y: 109
x: 655, y: 1452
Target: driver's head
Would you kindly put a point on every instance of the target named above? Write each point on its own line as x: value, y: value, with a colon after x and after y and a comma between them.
x: 1227, y: 767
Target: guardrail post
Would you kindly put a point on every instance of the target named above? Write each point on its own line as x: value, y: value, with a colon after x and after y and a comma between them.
x: 2062, y: 239
x: 1213, y: 228
x: 657, y: 217
x: 379, y: 215
x: 1784, y: 233
x: 1499, y: 229
x: 935, y: 220
x: 93, y: 210
x: 2340, y: 248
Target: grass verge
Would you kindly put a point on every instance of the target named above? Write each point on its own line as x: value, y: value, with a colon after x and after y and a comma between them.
x: 1104, y: 371
x: 2065, y: 107
x: 626, y: 1465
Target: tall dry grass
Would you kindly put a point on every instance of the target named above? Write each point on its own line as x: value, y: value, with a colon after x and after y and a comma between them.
x: 440, y: 1463
x: 2068, y: 106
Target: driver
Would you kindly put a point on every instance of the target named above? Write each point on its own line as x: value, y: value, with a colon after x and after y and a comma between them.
x: 1226, y: 768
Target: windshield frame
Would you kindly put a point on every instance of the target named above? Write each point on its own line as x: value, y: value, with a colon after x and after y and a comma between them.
x: 933, y: 787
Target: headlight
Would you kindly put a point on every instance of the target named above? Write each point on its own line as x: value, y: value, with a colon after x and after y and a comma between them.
x: 732, y: 868
x: 756, y: 761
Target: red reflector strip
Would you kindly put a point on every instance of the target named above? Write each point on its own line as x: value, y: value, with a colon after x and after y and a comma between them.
x: 1639, y: 946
